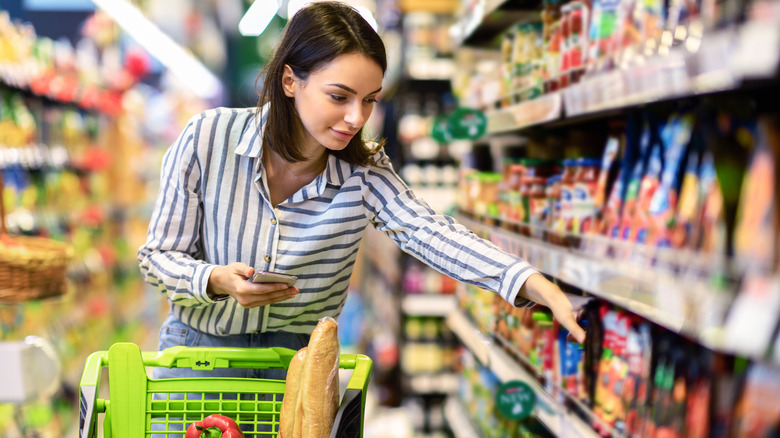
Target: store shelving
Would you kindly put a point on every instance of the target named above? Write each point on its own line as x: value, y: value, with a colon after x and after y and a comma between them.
x: 721, y: 60
x: 439, y: 383
x: 718, y: 61
x: 546, y: 108
x: 428, y: 305
x: 458, y: 419
x: 555, y: 416
x: 486, y: 19
x: 696, y: 308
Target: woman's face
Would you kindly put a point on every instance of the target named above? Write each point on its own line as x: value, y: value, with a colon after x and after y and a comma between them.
x: 336, y: 100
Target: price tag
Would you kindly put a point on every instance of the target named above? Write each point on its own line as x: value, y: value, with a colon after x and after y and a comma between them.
x: 515, y: 400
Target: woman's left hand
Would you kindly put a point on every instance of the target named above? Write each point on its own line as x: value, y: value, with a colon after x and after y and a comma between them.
x: 537, y: 288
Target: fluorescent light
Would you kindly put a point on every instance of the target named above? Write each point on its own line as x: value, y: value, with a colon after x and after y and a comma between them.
x: 170, y: 54
x: 257, y: 17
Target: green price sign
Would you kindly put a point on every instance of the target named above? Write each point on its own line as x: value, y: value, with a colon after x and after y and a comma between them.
x: 442, y: 129
x: 515, y: 400
x: 468, y: 123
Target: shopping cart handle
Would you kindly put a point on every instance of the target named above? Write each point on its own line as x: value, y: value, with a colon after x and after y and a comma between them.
x: 208, y: 358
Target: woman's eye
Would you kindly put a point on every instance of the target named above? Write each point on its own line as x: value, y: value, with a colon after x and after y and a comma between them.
x: 371, y: 100
x: 338, y: 98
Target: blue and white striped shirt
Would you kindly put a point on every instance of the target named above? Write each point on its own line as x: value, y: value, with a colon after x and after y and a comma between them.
x: 213, y: 208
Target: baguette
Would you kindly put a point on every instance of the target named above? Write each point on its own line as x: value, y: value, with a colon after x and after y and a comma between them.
x: 291, y: 392
x: 320, y: 381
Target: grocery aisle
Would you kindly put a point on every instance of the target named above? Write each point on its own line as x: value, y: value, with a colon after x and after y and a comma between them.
x: 627, y: 149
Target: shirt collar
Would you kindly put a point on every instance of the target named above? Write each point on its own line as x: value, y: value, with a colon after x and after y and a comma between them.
x: 251, y: 145
x: 251, y: 142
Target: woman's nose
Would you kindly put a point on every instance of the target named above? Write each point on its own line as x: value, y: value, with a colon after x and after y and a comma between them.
x: 354, y: 116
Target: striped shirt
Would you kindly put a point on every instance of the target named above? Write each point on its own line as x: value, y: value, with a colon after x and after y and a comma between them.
x: 213, y: 208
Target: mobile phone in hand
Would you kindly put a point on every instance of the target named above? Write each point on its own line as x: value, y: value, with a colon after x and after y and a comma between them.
x: 274, y: 277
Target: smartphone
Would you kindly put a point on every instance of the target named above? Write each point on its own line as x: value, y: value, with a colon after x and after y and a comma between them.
x: 274, y: 277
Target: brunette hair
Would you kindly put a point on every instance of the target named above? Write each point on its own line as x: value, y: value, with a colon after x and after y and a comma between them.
x: 315, y: 35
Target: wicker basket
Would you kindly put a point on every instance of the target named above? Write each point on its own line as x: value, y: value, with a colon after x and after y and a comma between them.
x: 30, y: 267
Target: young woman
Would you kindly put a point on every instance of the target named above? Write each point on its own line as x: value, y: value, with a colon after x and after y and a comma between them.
x: 290, y: 186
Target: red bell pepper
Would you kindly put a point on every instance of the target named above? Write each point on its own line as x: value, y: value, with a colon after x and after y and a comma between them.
x: 214, y: 426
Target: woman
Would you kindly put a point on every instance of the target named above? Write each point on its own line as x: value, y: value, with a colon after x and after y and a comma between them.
x: 290, y: 186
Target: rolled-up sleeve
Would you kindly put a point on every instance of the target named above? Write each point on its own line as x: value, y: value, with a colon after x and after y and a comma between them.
x: 170, y: 260
x: 438, y: 240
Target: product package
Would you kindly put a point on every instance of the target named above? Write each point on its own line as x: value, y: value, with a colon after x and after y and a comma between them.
x: 757, y: 413
x: 608, y: 404
x: 636, y: 392
x: 676, y: 137
x: 755, y: 235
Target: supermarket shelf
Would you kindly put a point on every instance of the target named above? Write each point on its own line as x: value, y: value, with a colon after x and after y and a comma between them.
x: 546, y: 108
x: 428, y: 305
x: 486, y: 19
x: 718, y: 61
x: 558, y: 419
x: 443, y: 383
x: 458, y: 419
x: 695, y: 306
x: 724, y: 60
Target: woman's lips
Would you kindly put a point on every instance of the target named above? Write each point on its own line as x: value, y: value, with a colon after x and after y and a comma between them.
x: 343, y: 135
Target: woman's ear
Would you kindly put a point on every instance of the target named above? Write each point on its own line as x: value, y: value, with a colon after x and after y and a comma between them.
x: 288, y: 81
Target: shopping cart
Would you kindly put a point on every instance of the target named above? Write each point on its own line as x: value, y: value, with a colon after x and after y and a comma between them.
x: 144, y: 407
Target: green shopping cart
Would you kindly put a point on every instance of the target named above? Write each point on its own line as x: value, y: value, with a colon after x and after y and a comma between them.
x: 143, y: 407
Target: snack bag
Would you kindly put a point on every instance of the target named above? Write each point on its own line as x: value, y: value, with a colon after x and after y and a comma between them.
x: 758, y: 411
x: 697, y: 412
x: 757, y: 215
x: 612, y: 372
x: 638, y: 169
x: 636, y: 390
x: 711, y: 235
x: 663, y: 205
x: 688, y: 204
x: 572, y: 358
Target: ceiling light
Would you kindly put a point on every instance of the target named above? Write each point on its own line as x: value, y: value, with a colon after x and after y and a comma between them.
x: 257, y: 17
x: 170, y: 54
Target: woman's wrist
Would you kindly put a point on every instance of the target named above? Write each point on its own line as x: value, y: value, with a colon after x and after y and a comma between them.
x: 212, y: 289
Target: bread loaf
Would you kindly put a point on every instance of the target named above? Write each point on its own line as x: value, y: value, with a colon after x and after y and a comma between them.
x: 291, y: 392
x: 320, y: 381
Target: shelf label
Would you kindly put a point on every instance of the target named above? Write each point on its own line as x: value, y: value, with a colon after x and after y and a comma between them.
x: 515, y: 400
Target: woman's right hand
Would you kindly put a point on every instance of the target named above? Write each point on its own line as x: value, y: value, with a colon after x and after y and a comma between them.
x: 233, y: 280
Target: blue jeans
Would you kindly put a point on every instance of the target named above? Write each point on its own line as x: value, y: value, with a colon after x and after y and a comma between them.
x: 174, y: 332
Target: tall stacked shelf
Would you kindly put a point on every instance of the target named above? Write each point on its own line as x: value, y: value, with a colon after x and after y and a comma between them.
x: 79, y: 163
x: 680, y: 293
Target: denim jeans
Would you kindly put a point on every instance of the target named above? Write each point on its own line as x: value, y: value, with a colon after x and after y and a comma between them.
x: 174, y: 332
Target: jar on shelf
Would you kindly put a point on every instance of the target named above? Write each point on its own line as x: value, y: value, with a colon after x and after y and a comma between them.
x: 516, y: 174
x: 563, y: 75
x: 584, y: 194
x: 540, y: 167
x: 504, y: 188
x: 537, y: 206
x: 486, y: 204
x: 564, y: 224
x: 577, y: 44
x: 553, y: 195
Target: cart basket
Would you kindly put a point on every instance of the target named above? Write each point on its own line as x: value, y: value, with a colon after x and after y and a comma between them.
x: 143, y: 407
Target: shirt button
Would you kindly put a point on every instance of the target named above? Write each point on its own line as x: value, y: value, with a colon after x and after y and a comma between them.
x: 268, y: 259
x: 273, y: 221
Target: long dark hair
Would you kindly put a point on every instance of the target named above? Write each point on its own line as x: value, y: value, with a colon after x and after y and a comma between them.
x: 315, y: 35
